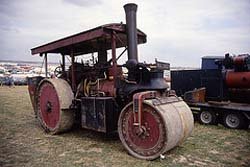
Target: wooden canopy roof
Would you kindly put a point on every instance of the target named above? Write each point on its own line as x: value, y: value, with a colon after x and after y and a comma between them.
x: 89, y: 41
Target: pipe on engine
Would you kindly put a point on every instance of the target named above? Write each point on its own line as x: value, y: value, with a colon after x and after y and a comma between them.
x: 130, y: 10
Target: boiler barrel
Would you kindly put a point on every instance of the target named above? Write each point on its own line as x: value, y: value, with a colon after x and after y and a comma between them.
x: 238, y: 79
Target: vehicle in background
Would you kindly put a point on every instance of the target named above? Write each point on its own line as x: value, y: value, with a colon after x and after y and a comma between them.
x: 20, y: 79
x: 219, y: 92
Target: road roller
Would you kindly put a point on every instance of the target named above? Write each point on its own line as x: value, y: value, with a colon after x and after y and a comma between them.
x: 219, y: 92
x: 93, y: 91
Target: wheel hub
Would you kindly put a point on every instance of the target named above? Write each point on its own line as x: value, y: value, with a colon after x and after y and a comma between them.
x: 142, y: 131
x: 49, y: 107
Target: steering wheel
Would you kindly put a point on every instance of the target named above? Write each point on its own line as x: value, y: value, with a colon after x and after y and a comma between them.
x: 58, y: 71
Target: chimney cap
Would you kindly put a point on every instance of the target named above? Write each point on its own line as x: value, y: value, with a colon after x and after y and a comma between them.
x: 130, y: 6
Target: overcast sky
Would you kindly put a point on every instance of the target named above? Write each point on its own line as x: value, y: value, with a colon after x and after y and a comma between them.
x: 179, y: 32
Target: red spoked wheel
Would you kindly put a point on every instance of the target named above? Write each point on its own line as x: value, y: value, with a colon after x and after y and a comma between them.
x: 147, y: 142
x: 55, y: 97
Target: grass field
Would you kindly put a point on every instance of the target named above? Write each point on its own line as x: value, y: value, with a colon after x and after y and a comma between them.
x: 23, y: 142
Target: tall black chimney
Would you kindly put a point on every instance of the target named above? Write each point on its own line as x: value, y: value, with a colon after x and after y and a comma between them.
x: 130, y: 10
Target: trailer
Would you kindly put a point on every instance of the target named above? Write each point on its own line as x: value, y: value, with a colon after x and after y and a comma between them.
x: 219, y: 92
x: 99, y: 95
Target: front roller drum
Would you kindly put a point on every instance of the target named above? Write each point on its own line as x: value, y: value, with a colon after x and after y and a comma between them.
x: 55, y: 98
x: 162, y: 128
x: 148, y: 142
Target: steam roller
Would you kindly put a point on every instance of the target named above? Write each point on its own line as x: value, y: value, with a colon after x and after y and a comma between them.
x: 132, y: 99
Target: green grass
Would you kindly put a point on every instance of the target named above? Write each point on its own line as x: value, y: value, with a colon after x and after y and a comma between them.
x: 23, y: 143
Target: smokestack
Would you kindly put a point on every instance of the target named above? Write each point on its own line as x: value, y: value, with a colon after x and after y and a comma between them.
x: 130, y: 10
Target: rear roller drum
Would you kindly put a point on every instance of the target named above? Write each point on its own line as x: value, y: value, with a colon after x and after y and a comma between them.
x: 146, y: 142
x: 55, y: 98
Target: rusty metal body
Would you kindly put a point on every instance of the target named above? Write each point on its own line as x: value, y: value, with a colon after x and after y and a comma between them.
x: 100, y: 95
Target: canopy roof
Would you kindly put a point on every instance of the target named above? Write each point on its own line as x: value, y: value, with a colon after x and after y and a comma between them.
x: 89, y: 41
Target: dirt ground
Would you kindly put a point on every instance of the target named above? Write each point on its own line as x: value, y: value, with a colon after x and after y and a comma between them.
x: 23, y: 142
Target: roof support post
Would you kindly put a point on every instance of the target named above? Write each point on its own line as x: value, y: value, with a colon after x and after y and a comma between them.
x: 113, y: 47
x: 73, y: 69
x: 63, y: 63
x: 46, y: 65
x: 102, y: 52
